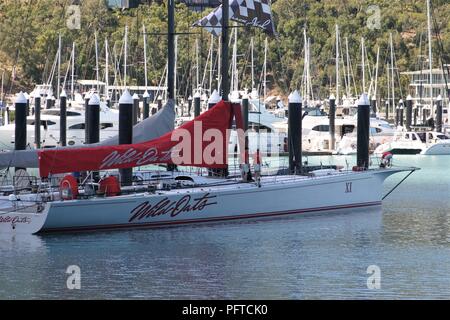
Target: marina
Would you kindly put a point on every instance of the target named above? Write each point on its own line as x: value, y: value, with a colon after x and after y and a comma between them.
x: 190, y: 139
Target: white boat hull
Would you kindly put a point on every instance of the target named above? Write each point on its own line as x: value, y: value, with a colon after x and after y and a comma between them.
x: 442, y: 148
x: 286, y: 196
x: 437, y: 149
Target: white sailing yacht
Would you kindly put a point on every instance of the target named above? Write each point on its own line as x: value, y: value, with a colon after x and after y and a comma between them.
x: 200, y: 143
x: 72, y: 207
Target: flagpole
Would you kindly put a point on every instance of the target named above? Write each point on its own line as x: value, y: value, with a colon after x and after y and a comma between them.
x: 225, y: 85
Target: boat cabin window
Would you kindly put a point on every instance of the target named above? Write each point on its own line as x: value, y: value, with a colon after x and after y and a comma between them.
x: 78, y: 126
x: 346, y: 129
x: 375, y: 130
x: 430, y: 136
x: 350, y: 111
x: 422, y: 136
x: 442, y: 137
x: 106, y: 125
x: 322, y: 128
x: 414, y: 138
x: 314, y: 112
x: 407, y: 136
x: 385, y: 126
x: 184, y: 178
x: 258, y: 127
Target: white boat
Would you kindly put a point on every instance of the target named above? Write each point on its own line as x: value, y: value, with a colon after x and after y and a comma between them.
x: 425, y: 143
x: 380, y: 133
x: 316, y: 134
x: 184, y: 199
x: 273, y: 197
x: 50, y: 128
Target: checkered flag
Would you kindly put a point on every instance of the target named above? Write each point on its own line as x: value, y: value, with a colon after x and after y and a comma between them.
x: 253, y: 13
x: 212, y: 22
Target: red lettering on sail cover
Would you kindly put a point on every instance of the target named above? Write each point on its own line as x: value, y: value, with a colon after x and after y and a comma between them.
x: 174, y: 208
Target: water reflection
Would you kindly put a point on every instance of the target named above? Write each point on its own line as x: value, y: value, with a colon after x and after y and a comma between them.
x: 248, y: 260
x: 305, y: 257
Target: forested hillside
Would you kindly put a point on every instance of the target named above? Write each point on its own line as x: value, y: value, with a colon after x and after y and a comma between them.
x: 29, y: 40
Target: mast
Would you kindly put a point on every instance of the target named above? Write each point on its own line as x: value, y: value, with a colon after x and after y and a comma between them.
x: 430, y: 53
x: 145, y: 57
x: 348, y: 69
x: 232, y: 63
x: 337, y: 64
x: 236, y: 73
x: 96, y: 63
x: 304, y: 81
x: 106, y: 69
x: 1, y: 91
x: 125, y: 58
x: 305, y: 39
x: 252, y: 48
x: 310, y: 93
x: 376, y: 72
x: 197, y: 76
x: 265, y: 68
x: 175, y: 68
x: 225, y: 79
x: 388, y: 66
x: 166, y: 79
x: 73, y: 72
x: 171, y: 50
x: 211, y: 65
x: 235, y: 80
x: 59, y: 66
x: 219, y: 64
x: 363, y: 66
x: 392, y: 72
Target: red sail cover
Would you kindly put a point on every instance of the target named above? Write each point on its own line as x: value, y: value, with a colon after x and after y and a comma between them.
x: 202, y: 142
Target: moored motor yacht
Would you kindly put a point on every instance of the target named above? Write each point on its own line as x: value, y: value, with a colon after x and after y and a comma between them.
x: 317, y: 134
x: 425, y: 143
x: 50, y: 128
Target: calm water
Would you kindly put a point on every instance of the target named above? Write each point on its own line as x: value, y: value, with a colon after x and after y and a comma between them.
x: 321, y: 256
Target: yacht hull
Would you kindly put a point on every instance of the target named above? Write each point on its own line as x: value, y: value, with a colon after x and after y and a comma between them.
x: 286, y: 196
x: 437, y: 149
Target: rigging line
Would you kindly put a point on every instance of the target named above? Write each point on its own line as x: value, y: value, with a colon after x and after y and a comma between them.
x: 67, y: 72
x: 216, y: 65
x: 206, y: 65
x: 352, y: 74
x: 45, y: 70
x: 397, y: 73
x: 160, y: 84
x: 258, y: 136
x: 52, y: 72
x: 247, y: 56
x: 398, y: 184
x: 369, y: 68
x: 341, y: 55
x: 420, y: 63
